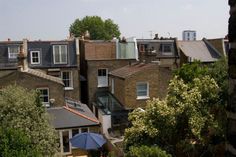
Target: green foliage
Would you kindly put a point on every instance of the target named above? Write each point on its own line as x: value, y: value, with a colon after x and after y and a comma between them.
x: 112, y: 154
x: 21, y: 110
x: 145, y: 151
x: 190, y: 71
x: 16, y: 143
x: 219, y: 71
x: 189, y: 119
x: 98, y: 29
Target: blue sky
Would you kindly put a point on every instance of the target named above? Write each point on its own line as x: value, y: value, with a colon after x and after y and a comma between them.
x: 51, y: 19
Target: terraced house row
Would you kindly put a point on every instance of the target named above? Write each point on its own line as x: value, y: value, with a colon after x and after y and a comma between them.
x: 92, y: 85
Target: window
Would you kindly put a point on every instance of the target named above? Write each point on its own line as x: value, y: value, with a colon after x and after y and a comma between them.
x: 84, y: 130
x: 13, y: 51
x: 112, y: 86
x: 65, y: 135
x: 66, y: 77
x: 142, y: 90
x: 188, y: 34
x: 44, y: 96
x: 126, y: 50
x: 143, y: 47
x: 79, y: 130
x: 75, y: 132
x: 166, y: 48
x: 102, y: 77
x: 60, y: 54
x: 35, y: 57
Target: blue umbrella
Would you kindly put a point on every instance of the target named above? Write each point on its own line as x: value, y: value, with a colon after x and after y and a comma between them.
x: 88, y: 141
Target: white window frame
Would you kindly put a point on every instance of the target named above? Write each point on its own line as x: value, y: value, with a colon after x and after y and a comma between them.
x: 61, y: 141
x: 70, y: 136
x: 60, y: 54
x: 112, y: 85
x: 31, y: 57
x: 13, y: 55
x: 46, y: 104
x: 79, y: 130
x: 99, y: 78
x: 70, y: 79
x: 167, y: 52
x: 147, y: 91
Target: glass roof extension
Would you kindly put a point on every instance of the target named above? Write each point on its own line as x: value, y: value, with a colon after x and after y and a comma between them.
x: 108, y: 103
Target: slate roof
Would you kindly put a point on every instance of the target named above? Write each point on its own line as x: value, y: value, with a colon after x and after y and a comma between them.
x: 46, y: 52
x: 5, y: 62
x: 44, y: 76
x: 72, y: 117
x: 129, y: 70
x: 199, y: 50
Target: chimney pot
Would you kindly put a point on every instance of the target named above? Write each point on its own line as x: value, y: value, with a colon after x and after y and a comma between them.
x: 156, y: 36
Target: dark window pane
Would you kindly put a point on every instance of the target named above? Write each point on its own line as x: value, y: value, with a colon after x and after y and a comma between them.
x: 66, y: 144
x: 74, y: 132
x: 84, y: 130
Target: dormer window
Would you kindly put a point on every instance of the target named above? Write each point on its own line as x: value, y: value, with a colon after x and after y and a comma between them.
x: 143, y: 47
x: 13, y: 51
x: 166, y: 48
x: 35, y: 57
x: 60, y: 54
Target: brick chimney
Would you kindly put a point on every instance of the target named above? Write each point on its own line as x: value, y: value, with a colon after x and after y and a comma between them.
x: 22, y: 57
x: 87, y: 35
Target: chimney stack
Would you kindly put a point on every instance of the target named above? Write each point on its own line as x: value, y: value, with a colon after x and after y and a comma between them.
x: 22, y: 57
x: 87, y: 35
x: 156, y: 36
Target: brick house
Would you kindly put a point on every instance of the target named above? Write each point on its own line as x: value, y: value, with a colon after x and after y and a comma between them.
x: 59, y: 59
x: 163, y: 50
x: 134, y: 84
x: 49, y: 66
x: 72, y: 119
x: 129, y: 88
x: 98, y: 58
x: 51, y: 88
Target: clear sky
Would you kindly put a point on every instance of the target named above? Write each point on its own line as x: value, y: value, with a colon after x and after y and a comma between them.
x: 51, y: 19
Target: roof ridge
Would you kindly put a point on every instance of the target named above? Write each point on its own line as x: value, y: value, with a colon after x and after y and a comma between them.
x: 43, y: 75
x: 80, y: 114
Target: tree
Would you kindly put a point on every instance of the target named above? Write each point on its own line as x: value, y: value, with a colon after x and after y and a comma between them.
x: 15, y: 143
x: 146, y: 151
x: 98, y: 29
x: 22, y: 110
x: 189, y: 121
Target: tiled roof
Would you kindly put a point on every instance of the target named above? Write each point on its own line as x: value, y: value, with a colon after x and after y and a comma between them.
x: 198, y: 50
x: 44, y: 76
x: 71, y: 117
x: 131, y: 69
x: 81, y: 109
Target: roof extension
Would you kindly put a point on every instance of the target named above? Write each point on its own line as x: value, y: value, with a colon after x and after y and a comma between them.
x: 129, y: 70
x: 43, y: 75
x: 72, y: 117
